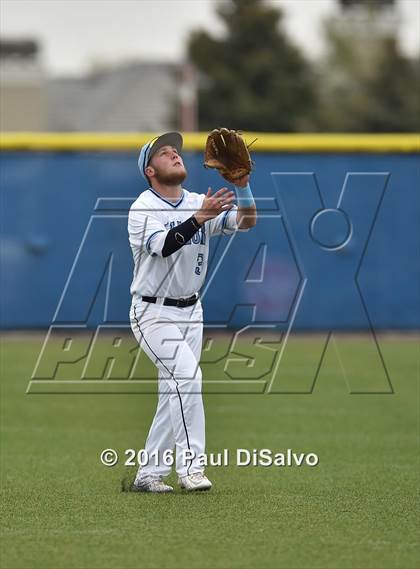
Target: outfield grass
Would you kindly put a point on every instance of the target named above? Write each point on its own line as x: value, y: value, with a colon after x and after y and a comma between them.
x: 357, y: 509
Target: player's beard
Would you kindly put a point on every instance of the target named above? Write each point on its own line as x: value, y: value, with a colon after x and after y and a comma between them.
x: 170, y: 178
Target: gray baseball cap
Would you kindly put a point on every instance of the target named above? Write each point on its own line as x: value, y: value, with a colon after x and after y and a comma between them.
x: 150, y: 148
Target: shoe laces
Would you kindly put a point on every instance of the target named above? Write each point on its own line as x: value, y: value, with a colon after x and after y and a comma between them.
x: 156, y: 482
x: 160, y: 481
x: 197, y: 476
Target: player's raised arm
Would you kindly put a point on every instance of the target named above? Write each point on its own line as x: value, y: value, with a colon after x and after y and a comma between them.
x: 227, y: 151
x: 246, y: 216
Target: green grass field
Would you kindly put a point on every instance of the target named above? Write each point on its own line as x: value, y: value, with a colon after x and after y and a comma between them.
x: 358, y: 508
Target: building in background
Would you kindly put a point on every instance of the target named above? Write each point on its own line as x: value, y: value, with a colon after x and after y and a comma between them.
x: 23, y: 86
x: 131, y: 97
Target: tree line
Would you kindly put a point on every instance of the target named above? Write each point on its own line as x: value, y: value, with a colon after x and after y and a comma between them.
x: 255, y: 78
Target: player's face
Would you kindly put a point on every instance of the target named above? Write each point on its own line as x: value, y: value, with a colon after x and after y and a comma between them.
x: 167, y: 167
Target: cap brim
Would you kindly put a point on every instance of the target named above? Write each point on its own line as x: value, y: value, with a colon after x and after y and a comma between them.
x: 173, y: 139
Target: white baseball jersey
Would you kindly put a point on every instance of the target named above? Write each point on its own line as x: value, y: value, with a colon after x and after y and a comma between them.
x: 179, y: 419
x: 181, y: 274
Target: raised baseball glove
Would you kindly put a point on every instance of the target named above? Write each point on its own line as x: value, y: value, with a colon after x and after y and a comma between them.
x: 227, y: 152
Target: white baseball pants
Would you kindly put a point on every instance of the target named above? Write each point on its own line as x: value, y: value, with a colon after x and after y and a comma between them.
x: 172, y: 338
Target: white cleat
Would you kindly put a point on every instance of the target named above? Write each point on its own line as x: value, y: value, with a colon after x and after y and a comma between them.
x: 156, y: 485
x: 196, y: 481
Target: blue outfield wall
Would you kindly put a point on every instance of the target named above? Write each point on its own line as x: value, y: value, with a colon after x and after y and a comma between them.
x: 65, y: 256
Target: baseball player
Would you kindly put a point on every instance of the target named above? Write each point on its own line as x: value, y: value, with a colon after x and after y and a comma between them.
x: 169, y: 230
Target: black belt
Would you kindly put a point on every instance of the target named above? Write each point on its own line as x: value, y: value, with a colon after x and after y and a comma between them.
x: 178, y: 302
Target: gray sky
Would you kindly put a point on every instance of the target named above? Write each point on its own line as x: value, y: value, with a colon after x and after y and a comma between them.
x: 77, y: 33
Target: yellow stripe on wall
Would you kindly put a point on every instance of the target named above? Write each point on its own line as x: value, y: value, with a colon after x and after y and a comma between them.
x: 266, y: 142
